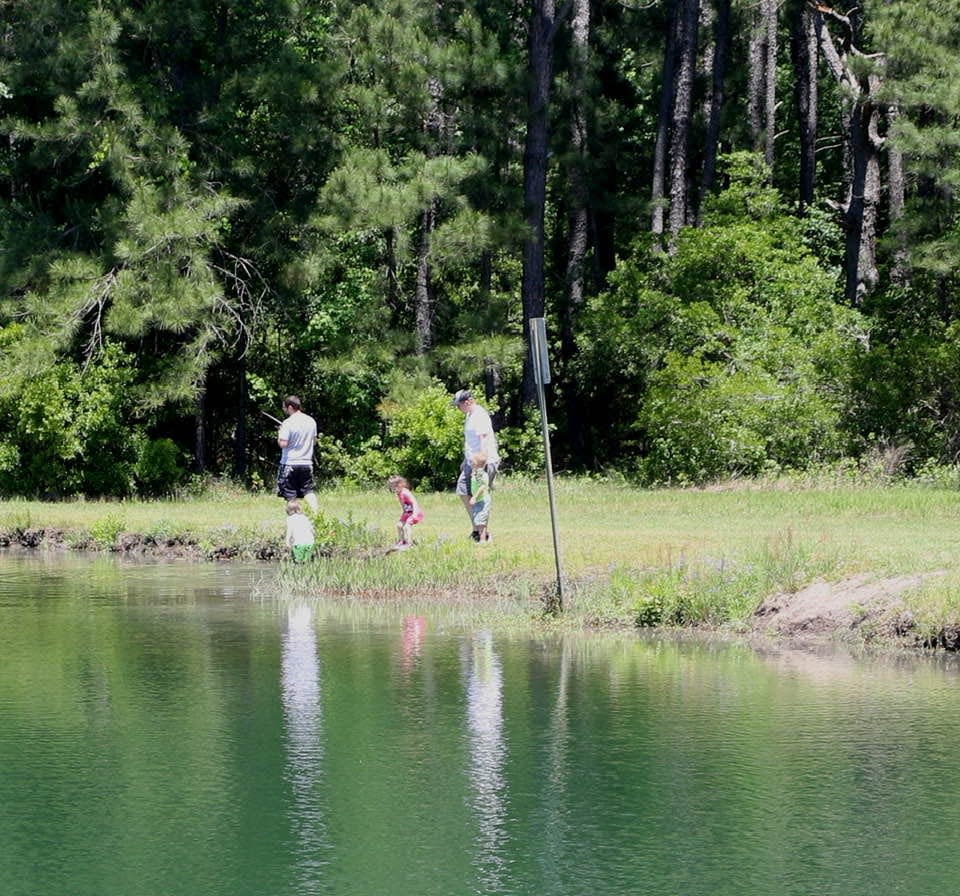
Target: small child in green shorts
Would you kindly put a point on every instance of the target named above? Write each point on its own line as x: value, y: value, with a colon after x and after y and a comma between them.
x: 300, y: 537
x: 480, y: 498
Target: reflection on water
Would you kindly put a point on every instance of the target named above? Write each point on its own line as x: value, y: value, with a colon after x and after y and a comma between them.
x: 414, y: 630
x: 300, y: 676
x: 555, y: 795
x: 487, y: 756
x: 178, y: 730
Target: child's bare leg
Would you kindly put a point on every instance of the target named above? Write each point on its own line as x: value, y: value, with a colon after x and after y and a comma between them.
x: 407, y: 534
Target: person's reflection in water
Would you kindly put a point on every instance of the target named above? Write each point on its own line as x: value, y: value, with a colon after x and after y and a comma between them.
x: 414, y: 628
x: 303, y: 714
x: 487, y: 756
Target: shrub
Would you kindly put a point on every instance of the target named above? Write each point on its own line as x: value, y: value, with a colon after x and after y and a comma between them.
x: 521, y: 447
x: 422, y: 440
x: 336, y: 535
x: 731, y: 356
x: 158, y: 470
x: 71, y: 430
x: 107, y: 529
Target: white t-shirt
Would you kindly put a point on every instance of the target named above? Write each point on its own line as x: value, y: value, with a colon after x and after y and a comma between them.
x: 478, y: 435
x: 300, y: 431
x: 299, y: 529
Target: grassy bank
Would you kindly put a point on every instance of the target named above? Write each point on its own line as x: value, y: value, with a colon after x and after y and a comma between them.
x: 675, y: 557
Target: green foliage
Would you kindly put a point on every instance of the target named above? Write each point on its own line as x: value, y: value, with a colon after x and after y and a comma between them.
x: 334, y: 535
x: 422, y: 441
x: 909, y: 333
x: 921, y: 49
x: 717, y: 593
x: 703, y: 421
x: 106, y: 530
x: 239, y: 196
x: 731, y: 357
x: 71, y: 431
x: 143, y: 263
x: 521, y: 447
x: 348, y: 388
x: 748, y: 194
x: 470, y: 359
x: 158, y: 470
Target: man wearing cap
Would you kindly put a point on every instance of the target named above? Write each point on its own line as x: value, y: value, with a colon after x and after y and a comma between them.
x: 478, y: 438
x: 296, y: 438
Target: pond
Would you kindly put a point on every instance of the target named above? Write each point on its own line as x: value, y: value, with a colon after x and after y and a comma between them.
x: 184, y: 729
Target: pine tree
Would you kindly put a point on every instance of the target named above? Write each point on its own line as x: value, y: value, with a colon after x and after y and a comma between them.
x: 126, y: 244
x: 921, y: 44
x: 540, y: 82
x: 404, y: 170
x: 719, y: 61
x: 804, y: 58
x: 860, y: 77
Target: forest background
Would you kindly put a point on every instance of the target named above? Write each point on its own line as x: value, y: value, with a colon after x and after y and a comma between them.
x: 737, y: 216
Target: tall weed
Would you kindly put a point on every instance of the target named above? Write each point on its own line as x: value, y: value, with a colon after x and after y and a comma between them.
x: 715, y: 591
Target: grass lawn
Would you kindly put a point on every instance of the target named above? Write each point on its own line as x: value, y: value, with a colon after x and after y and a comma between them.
x: 629, y: 543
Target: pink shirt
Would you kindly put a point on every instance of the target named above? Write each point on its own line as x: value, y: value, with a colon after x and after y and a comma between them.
x: 411, y: 509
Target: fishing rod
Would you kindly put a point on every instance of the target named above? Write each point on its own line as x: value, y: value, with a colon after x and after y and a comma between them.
x: 271, y: 417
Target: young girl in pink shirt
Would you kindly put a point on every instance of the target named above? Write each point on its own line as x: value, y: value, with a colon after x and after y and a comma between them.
x: 410, y: 512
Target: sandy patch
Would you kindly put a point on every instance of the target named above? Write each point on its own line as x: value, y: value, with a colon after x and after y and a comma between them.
x: 858, y: 603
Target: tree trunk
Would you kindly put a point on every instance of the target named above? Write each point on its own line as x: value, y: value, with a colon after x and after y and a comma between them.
x: 200, y: 433
x: 390, y: 270
x: 579, y: 198
x: 803, y: 53
x: 435, y: 128
x: 240, y: 428
x: 579, y: 218
x: 830, y: 55
x: 755, y: 60
x: 491, y: 388
x: 863, y: 204
x: 770, y: 69
x: 900, y: 271
x: 861, y: 82
x: 423, y: 297
x: 705, y: 57
x: 682, y: 115
x: 664, y: 120
x: 721, y: 56
x: 540, y: 73
x: 762, y: 77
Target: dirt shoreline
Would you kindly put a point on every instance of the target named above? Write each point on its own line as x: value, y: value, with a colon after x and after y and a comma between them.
x: 860, y: 608
x: 131, y: 544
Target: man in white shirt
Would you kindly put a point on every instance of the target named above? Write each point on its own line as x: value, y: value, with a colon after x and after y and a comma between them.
x: 297, y: 436
x: 478, y: 438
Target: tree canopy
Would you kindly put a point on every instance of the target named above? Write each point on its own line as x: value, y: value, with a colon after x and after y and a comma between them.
x: 739, y: 220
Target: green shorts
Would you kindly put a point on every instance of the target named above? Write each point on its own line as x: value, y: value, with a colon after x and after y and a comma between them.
x: 302, y: 552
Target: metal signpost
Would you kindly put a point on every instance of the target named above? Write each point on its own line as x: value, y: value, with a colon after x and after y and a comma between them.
x: 541, y: 373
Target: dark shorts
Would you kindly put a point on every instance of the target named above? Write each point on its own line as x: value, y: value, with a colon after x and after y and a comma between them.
x: 466, y: 473
x: 294, y: 482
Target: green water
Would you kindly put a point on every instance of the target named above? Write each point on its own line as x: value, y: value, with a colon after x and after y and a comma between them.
x: 183, y: 730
